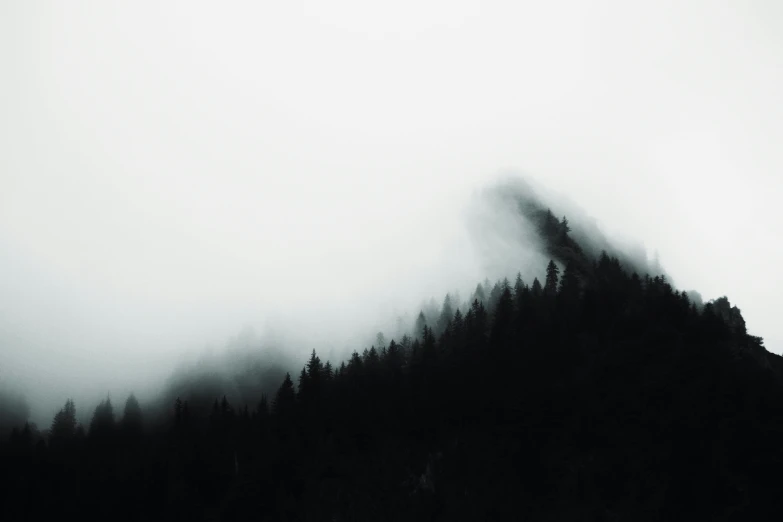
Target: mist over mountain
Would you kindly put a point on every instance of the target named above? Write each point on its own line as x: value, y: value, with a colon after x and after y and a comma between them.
x: 504, y: 233
x: 431, y: 260
x: 572, y: 381
x: 83, y: 345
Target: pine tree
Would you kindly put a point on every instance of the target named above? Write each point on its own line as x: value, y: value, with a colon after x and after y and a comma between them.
x: 311, y: 379
x: 227, y: 418
x: 550, y: 226
x: 494, y: 295
x: 476, y: 324
x: 131, y: 416
x: 63, y: 426
x: 458, y: 324
x: 380, y: 341
x: 394, y: 358
x: 405, y: 347
x: 304, y: 384
x: 355, y: 365
x: 504, y: 312
x: 521, y: 297
x: 446, y: 314
x: 372, y: 361
x: 428, y: 352
x: 102, y: 423
x: 564, y: 227
x: 570, y: 284
x: 314, y: 366
x: 480, y: 293
x: 550, y: 287
x: 519, y: 286
x: 421, y: 322
x: 536, y: 290
x: 415, y: 351
x: 604, y: 268
x: 285, y: 398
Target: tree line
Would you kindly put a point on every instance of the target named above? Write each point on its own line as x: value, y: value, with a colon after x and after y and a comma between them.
x: 595, y: 393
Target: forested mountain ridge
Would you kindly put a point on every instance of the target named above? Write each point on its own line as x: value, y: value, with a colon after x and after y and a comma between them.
x: 595, y: 391
x: 559, y: 242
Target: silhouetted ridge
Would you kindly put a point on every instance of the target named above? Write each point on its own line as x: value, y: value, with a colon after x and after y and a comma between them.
x: 593, y: 392
x: 565, y: 240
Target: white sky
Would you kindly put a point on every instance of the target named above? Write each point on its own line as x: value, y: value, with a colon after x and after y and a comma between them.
x: 171, y: 171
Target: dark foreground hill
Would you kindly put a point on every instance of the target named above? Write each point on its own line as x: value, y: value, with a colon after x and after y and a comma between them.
x: 596, y: 393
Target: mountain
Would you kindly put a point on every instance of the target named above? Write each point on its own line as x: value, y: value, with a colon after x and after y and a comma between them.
x: 594, y: 390
x: 583, y: 241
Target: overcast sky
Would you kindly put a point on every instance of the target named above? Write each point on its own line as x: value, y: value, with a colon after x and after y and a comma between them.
x: 173, y: 171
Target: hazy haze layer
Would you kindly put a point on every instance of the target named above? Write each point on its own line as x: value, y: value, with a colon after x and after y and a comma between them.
x: 170, y: 173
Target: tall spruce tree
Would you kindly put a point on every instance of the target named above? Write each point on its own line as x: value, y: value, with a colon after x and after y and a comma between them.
x: 131, y: 416
x: 550, y: 287
x: 63, y: 426
x: 102, y: 423
x: 446, y: 314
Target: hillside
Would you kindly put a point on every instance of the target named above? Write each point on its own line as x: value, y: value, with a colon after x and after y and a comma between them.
x: 595, y: 391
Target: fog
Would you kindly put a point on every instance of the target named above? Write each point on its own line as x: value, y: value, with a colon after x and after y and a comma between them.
x: 174, y: 174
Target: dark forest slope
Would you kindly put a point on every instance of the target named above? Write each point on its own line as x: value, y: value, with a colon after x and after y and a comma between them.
x: 597, y: 392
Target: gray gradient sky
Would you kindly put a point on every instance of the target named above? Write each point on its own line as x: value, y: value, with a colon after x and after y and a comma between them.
x: 172, y: 171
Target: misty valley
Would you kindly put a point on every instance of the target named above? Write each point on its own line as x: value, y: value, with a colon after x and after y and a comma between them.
x: 592, y: 390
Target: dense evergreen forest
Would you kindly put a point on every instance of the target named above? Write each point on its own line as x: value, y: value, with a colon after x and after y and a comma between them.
x: 595, y: 393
